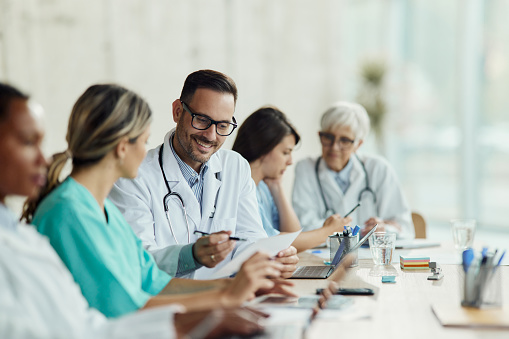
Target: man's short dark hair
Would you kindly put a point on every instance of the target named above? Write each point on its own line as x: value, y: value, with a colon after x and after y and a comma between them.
x: 208, y: 79
x: 7, y: 94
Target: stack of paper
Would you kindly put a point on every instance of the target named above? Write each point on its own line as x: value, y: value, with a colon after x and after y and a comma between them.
x: 414, y: 263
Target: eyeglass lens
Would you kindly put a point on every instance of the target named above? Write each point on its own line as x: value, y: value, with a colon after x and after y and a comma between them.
x: 328, y: 140
x: 202, y: 122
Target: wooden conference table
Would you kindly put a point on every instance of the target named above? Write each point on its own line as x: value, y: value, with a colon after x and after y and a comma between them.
x: 400, y: 310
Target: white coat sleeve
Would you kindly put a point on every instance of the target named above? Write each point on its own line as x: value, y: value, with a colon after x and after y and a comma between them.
x: 391, y: 202
x: 154, y: 323
x: 134, y: 201
x: 40, y: 299
x: 306, y: 199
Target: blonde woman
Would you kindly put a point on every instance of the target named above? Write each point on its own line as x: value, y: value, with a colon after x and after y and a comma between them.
x: 107, y: 132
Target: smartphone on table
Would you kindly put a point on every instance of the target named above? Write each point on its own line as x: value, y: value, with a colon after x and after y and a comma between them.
x: 350, y: 291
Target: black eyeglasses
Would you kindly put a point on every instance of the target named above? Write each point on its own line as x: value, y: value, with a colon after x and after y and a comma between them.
x: 328, y: 139
x: 202, y: 122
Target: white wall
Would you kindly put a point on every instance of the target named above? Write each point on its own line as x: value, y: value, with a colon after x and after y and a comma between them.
x: 284, y: 53
x: 299, y: 55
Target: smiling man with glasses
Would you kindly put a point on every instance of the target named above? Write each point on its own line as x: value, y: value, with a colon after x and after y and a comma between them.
x: 188, y: 186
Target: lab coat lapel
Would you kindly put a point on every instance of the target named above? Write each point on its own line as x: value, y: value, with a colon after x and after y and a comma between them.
x: 211, y: 185
x: 333, y: 194
x: 357, y: 182
x: 179, y: 184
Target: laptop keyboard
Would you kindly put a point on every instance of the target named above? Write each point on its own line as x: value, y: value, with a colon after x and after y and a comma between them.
x: 311, y: 271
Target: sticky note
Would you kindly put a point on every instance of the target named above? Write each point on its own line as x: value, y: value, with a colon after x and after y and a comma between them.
x: 388, y: 279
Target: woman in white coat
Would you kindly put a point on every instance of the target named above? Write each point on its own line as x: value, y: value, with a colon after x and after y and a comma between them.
x: 340, y: 178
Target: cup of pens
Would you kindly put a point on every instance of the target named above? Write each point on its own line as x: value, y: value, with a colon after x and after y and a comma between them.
x: 481, y: 284
x: 351, y: 238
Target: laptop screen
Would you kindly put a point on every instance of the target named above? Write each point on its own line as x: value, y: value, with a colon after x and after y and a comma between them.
x: 341, y: 248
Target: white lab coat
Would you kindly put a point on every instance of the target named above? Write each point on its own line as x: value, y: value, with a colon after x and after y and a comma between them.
x: 39, y: 298
x: 227, y: 186
x: 390, y: 201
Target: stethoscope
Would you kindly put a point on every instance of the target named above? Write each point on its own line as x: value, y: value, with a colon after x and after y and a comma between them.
x: 366, y: 189
x: 167, y: 196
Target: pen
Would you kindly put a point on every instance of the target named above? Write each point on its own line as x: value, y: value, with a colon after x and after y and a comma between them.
x: 231, y: 238
x: 353, y: 209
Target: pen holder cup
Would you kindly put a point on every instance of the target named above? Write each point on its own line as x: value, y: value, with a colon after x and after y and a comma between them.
x: 351, y: 241
x: 481, y: 289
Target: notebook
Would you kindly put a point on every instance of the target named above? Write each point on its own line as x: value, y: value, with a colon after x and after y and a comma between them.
x: 323, y: 272
x: 457, y: 316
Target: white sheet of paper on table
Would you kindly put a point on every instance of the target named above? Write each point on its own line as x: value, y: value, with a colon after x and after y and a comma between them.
x: 271, y: 245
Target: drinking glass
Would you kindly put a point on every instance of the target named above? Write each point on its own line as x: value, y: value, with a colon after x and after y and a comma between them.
x: 463, y: 231
x: 382, y: 245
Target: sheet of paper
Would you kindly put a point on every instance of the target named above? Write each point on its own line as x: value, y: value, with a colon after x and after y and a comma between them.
x: 415, y: 243
x: 271, y: 245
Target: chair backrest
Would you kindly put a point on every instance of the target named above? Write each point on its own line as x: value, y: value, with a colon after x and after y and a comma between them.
x: 419, y: 225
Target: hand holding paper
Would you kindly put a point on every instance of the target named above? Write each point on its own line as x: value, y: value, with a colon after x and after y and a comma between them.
x: 272, y: 246
x: 288, y: 257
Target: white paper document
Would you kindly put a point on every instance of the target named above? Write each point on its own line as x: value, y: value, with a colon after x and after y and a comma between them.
x: 271, y: 246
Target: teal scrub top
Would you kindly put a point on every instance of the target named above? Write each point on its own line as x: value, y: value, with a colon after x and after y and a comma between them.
x: 115, y: 273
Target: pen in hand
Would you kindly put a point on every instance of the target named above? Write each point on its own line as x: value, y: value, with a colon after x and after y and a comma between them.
x: 231, y: 238
x: 353, y: 209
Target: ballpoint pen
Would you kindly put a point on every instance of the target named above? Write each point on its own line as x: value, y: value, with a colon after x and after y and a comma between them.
x: 468, y: 288
x: 353, y: 209
x: 468, y: 257
x: 231, y: 238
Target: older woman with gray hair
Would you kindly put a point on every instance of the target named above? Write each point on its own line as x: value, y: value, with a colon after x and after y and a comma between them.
x: 339, y: 179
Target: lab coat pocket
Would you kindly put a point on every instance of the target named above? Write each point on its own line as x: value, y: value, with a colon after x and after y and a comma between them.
x: 224, y: 224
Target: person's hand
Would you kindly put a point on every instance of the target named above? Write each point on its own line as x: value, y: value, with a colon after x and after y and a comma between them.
x: 210, y: 250
x: 337, y: 222
x: 280, y: 287
x: 289, y: 259
x: 219, y: 323
x: 274, y: 184
x: 370, y: 223
x: 256, y: 273
x: 326, y: 293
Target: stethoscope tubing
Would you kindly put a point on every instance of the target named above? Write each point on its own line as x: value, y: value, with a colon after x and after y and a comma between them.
x: 330, y: 211
x: 167, y: 196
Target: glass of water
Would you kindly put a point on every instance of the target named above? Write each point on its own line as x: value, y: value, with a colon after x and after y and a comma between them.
x: 382, y: 245
x: 463, y: 231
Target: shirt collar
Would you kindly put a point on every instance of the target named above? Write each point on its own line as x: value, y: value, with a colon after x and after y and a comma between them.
x: 7, y: 219
x: 187, y: 171
x: 344, y: 174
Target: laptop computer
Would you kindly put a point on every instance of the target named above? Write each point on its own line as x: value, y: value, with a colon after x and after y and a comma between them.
x: 323, y: 272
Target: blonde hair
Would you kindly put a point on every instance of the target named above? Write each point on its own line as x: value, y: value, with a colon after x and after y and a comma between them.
x: 101, y: 117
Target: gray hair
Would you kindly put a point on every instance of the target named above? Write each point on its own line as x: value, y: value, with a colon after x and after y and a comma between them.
x: 348, y: 114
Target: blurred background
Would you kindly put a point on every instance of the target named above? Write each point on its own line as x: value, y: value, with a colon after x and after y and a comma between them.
x: 434, y: 75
